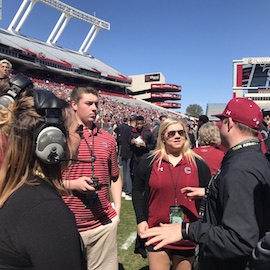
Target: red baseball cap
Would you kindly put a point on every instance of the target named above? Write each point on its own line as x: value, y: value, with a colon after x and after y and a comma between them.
x: 244, y: 111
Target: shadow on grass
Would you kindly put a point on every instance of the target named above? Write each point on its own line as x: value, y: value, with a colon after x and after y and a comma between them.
x: 121, y: 267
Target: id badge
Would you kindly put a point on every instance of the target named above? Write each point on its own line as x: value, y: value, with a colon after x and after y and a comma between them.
x: 176, y: 215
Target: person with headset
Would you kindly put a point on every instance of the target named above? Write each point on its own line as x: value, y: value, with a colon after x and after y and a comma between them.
x: 13, y: 87
x: 90, y: 184
x: 5, y: 69
x: 37, y: 230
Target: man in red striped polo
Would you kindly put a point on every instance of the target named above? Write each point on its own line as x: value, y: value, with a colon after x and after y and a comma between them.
x: 90, y: 180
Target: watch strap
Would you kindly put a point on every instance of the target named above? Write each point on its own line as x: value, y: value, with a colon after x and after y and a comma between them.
x: 184, y: 230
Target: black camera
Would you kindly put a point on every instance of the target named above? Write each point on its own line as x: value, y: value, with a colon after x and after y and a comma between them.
x: 95, y: 183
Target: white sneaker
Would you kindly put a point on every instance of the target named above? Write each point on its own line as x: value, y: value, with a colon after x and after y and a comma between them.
x: 128, y: 198
x: 123, y: 194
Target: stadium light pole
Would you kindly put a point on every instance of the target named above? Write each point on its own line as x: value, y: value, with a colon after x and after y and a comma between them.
x: 67, y: 12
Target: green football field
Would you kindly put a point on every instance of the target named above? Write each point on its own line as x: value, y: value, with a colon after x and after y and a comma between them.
x: 128, y: 260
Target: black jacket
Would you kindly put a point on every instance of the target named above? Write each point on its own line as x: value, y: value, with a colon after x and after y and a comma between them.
x: 237, y: 210
x: 38, y: 231
x: 147, y: 136
x: 124, y: 133
x: 155, y: 132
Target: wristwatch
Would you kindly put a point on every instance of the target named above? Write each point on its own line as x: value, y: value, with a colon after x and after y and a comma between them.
x: 184, y: 231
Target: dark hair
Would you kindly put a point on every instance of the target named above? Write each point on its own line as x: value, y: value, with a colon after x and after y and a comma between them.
x: 162, y: 116
x: 133, y: 118
x: 266, y: 113
x: 140, y: 118
x: 204, y: 118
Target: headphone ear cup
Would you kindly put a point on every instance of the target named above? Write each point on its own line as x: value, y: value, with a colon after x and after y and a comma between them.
x: 17, y: 83
x: 5, y: 100
x: 50, y: 144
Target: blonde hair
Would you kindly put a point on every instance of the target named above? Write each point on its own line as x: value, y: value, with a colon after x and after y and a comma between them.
x: 209, y: 135
x: 160, y: 151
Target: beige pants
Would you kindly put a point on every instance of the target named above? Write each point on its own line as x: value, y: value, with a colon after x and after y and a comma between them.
x: 101, y: 246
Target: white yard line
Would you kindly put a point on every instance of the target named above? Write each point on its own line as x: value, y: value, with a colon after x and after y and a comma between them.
x: 129, y: 241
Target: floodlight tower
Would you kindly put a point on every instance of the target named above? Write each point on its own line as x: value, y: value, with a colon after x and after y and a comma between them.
x: 68, y: 12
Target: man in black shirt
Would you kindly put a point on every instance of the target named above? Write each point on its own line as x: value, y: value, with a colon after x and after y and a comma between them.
x: 124, y: 131
x: 142, y: 142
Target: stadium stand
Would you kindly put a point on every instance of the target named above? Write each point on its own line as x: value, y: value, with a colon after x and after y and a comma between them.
x: 214, y: 108
x: 60, y: 70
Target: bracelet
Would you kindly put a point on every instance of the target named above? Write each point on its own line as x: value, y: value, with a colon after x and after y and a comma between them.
x: 184, y: 230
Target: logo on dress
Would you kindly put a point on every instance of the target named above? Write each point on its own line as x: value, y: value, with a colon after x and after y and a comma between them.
x: 160, y: 169
x: 187, y: 170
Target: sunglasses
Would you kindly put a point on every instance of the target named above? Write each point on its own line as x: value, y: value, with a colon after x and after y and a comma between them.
x: 172, y: 133
x: 79, y: 130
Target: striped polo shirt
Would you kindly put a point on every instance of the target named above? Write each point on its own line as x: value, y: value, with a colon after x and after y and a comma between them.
x: 97, y: 211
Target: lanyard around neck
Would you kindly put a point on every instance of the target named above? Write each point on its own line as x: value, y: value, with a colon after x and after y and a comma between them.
x: 244, y: 144
x: 175, y: 184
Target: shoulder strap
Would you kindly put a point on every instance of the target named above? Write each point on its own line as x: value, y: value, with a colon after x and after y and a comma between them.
x: 203, y: 172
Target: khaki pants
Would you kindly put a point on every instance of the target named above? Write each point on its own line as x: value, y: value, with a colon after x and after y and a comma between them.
x: 101, y: 246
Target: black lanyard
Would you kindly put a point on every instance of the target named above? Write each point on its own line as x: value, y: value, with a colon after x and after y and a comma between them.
x: 175, y: 184
x: 91, y: 151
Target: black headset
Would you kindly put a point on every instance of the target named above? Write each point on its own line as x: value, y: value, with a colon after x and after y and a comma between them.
x: 18, y: 84
x: 50, y: 137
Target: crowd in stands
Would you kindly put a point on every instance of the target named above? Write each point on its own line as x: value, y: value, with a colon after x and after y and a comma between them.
x: 61, y: 90
x: 111, y: 109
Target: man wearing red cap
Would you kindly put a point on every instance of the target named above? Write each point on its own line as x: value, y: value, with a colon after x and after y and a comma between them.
x: 237, y: 211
